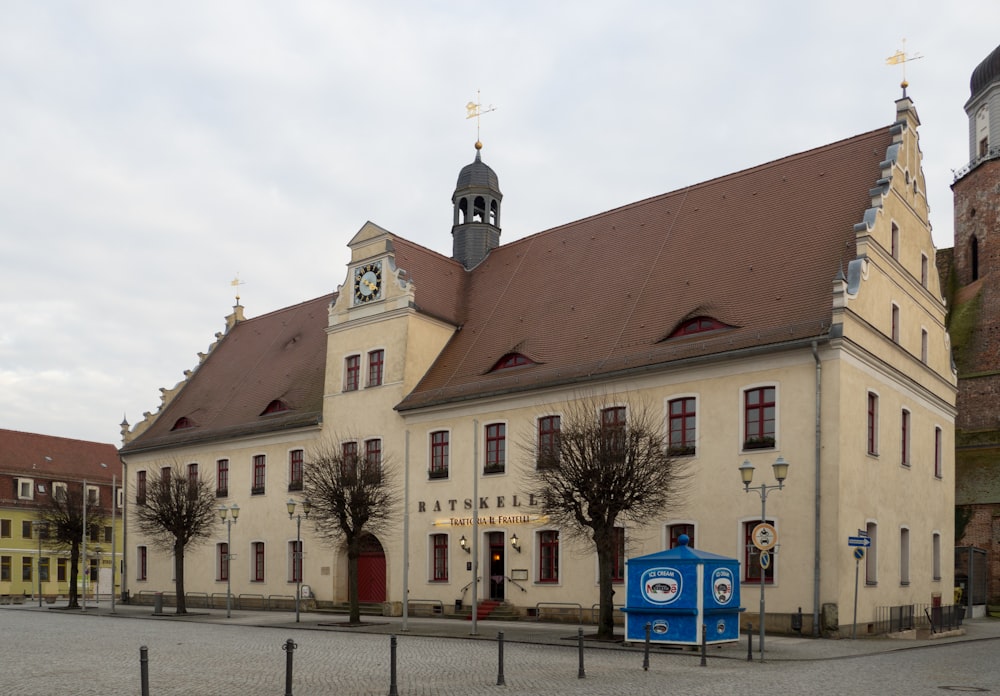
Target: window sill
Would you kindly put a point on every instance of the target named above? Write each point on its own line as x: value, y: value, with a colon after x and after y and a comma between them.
x: 758, y: 444
x: 295, y: 486
x: 682, y: 451
x: 222, y: 493
x: 256, y: 491
x: 437, y: 475
x: 487, y: 470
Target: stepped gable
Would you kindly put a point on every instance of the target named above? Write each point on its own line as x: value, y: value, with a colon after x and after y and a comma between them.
x: 756, y: 250
x: 277, y: 356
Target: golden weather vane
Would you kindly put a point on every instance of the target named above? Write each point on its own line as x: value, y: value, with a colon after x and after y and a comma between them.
x: 901, y: 57
x: 475, y: 110
x: 236, y: 283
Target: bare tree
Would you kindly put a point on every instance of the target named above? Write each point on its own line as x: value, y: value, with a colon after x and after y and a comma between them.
x: 351, y: 497
x: 599, y: 471
x: 63, y: 518
x: 176, y: 513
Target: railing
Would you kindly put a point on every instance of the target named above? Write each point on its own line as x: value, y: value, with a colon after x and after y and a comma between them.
x: 907, y: 617
x: 994, y: 153
x: 437, y: 606
x: 561, y: 606
x: 596, y: 608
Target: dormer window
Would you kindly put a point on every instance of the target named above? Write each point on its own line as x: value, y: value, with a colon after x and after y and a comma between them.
x: 512, y: 360
x: 276, y: 406
x: 697, y: 325
x: 182, y: 423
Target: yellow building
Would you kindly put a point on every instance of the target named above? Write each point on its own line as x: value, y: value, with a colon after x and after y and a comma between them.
x: 789, y: 310
x: 32, y: 469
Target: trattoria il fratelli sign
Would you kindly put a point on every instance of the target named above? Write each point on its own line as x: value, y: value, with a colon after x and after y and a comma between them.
x: 493, y: 510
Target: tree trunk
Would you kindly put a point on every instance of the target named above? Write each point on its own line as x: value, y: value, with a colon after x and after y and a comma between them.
x: 179, y: 575
x: 604, y: 541
x: 74, y: 571
x: 352, y: 586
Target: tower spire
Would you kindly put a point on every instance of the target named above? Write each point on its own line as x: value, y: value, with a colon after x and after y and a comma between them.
x: 901, y: 57
x: 475, y: 110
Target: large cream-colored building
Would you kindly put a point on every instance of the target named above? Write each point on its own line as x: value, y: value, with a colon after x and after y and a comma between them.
x: 791, y: 309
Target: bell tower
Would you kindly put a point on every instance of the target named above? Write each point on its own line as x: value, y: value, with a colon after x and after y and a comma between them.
x: 475, y: 227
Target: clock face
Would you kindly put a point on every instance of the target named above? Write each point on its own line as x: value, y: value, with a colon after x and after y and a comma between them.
x: 368, y: 282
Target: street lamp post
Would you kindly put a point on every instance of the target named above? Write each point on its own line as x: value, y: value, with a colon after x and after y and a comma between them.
x: 234, y: 513
x: 297, y: 554
x: 40, y: 527
x: 780, y: 467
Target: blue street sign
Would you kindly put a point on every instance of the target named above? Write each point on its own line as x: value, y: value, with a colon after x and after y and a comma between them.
x: 859, y: 541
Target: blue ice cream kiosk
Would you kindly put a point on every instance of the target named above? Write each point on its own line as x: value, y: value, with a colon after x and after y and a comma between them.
x: 677, y: 591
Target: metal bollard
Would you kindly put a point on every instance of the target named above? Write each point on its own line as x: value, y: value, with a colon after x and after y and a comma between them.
x: 144, y: 669
x: 579, y: 636
x: 645, y: 656
x: 500, y: 681
x: 289, y: 648
x: 392, y: 667
x: 704, y: 645
x: 749, y: 642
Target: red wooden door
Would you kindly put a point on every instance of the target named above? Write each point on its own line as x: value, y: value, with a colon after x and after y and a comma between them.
x: 371, y: 572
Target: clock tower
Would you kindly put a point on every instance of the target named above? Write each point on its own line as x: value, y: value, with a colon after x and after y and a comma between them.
x: 476, y: 216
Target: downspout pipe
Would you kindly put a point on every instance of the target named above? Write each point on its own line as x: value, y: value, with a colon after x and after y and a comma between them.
x: 818, y: 489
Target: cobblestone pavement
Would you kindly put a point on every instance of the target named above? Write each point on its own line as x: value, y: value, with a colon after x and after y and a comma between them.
x: 74, y: 653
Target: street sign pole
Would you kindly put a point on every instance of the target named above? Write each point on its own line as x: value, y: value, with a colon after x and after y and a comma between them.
x: 859, y: 553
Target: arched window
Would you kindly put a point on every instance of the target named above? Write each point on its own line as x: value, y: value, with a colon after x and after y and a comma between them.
x: 276, y: 406
x: 183, y: 422
x: 512, y: 360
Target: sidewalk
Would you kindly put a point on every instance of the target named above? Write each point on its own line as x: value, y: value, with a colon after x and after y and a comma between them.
x: 777, y: 648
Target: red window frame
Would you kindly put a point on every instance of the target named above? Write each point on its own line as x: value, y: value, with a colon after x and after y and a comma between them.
x: 349, y: 455
x: 439, y: 567
x: 376, y: 360
x: 613, y: 426
x: 140, y: 571
x: 759, y: 415
x: 872, y: 423
x: 698, y: 325
x: 259, y: 474
x: 223, y: 561
x: 295, y: 550
x: 221, y: 478
x: 548, y: 556
x: 496, y: 448
x: 675, y: 531
x: 373, y: 453
x: 258, y: 561
x: 140, y: 488
x: 751, y: 557
x: 295, y: 459
x: 618, y: 555
x: 512, y: 360
x: 439, y: 454
x: 549, y: 429
x: 352, y: 372
x: 682, y: 416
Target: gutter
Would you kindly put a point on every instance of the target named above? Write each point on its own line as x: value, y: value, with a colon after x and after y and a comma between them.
x: 818, y: 490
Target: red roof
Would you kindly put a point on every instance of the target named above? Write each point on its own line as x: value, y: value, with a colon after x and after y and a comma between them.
x: 757, y: 250
x: 57, y: 458
x: 281, y: 355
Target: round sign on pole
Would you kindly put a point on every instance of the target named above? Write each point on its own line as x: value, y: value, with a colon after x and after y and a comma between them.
x: 764, y: 536
x: 859, y: 553
x: 765, y: 560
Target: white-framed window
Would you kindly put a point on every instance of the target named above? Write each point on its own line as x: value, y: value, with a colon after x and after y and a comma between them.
x: 682, y: 425
x: 295, y: 561
x: 904, y: 556
x: 873, y: 423
x: 938, y: 453
x: 59, y: 490
x: 760, y: 417
x: 895, y: 323
x: 871, y: 556
x: 439, y: 444
x: 675, y: 530
x: 438, y: 558
x: 119, y: 498
x: 140, y: 564
x: 904, y: 437
x: 936, y: 556
x: 923, y: 346
x: 222, y: 561
x: 25, y: 489
x: 753, y: 558
x: 93, y: 495
x: 923, y: 269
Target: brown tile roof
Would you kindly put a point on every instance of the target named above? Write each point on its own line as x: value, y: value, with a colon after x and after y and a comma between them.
x: 439, y: 280
x: 57, y: 458
x: 757, y: 250
x: 281, y: 355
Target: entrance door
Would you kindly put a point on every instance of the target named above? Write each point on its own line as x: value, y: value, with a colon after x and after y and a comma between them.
x: 371, y: 571
x: 496, y: 563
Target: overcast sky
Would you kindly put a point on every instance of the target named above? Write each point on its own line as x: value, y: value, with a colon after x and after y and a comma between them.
x: 150, y: 151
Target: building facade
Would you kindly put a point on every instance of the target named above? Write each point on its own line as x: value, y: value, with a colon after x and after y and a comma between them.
x: 974, y: 290
x: 33, y: 468
x: 789, y: 310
